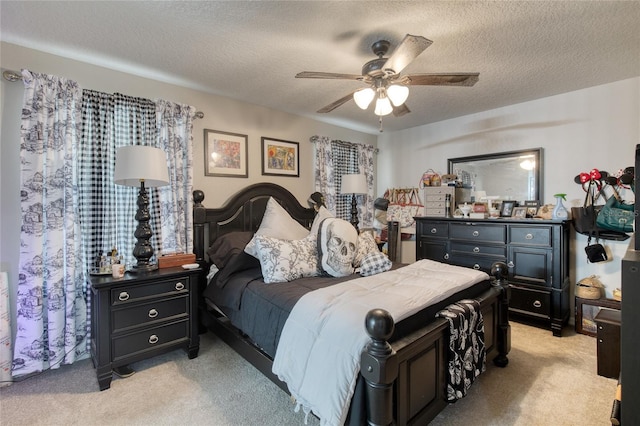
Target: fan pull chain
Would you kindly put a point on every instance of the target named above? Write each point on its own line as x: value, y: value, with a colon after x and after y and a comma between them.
x: 380, y: 121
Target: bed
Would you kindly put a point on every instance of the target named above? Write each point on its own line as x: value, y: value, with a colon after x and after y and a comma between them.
x: 403, y: 368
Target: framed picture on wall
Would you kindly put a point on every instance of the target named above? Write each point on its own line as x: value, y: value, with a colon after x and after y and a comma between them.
x: 225, y: 154
x: 280, y: 158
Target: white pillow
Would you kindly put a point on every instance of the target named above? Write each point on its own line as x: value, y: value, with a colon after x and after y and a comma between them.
x: 283, y: 260
x: 337, y: 241
x: 366, y: 244
x: 322, y: 214
x: 276, y: 223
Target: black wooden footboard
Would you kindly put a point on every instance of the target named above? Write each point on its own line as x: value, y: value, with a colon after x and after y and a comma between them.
x: 406, y: 380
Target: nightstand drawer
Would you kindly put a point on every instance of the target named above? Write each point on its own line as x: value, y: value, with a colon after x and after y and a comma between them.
x: 149, y: 312
x: 150, y: 339
x: 136, y: 292
x: 486, y: 233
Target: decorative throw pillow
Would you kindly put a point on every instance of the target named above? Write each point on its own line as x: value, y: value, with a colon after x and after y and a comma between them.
x: 337, y: 240
x: 366, y: 244
x: 277, y: 223
x: 322, y: 214
x: 374, y: 263
x: 286, y: 260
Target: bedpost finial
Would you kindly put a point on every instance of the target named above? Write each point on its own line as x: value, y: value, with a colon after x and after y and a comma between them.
x: 499, y: 272
x: 379, y: 324
x: 198, y: 196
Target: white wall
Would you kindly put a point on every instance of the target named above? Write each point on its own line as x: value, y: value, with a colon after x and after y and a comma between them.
x: 595, y: 127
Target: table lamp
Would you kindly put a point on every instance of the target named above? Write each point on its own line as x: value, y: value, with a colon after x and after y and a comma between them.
x: 354, y: 184
x: 143, y: 166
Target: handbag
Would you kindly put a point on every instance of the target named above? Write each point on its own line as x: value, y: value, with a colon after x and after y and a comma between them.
x: 595, y: 252
x: 404, y: 205
x: 616, y: 216
x: 585, y: 219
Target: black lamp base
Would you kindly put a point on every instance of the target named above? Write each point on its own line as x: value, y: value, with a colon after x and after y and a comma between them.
x: 143, y: 251
x: 354, y: 213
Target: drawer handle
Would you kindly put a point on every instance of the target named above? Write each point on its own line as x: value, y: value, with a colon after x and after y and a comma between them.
x: 123, y: 296
x: 537, y: 304
x: 446, y: 256
x: 476, y: 249
x: 179, y: 286
x: 475, y: 233
x: 510, y: 264
x: 476, y: 267
x: 153, y: 339
x: 434, y: 231
x: 153, y: 313
x: 529, y: 236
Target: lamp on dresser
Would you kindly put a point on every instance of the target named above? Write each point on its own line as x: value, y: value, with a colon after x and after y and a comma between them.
x: 354, y: 184
x: 146, y: 167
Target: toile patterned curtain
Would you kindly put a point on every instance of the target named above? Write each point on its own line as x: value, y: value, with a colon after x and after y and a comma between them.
x: 174, y: 128
x: 51, y: 316
x: 334, y: 158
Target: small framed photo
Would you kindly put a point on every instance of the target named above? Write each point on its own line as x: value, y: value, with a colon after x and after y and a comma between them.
x: 506, y: 209
x: 280, y: 158
x: 519, y: 212
x: 225, y: 154
x: 532, y: 207
x: 586, y: 311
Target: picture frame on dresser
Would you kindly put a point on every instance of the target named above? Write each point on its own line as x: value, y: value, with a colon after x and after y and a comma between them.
x: 586, y: 311
x: 506, y: 209
x: 519, y: 212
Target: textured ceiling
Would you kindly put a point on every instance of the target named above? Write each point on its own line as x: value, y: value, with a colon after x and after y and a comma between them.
x: 251, y: 51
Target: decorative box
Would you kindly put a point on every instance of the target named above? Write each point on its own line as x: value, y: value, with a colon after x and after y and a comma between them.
x: 177, y: 259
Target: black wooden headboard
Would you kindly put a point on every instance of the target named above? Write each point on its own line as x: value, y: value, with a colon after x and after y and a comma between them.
x: 242, y: 212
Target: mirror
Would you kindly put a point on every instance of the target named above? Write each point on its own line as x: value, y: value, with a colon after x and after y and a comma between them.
x: 514, y: 175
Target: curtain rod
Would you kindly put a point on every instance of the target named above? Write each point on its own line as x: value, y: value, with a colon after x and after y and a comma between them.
x: 12, y: 76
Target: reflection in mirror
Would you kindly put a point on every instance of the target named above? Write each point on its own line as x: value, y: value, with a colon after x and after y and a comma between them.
x: 514, y: 175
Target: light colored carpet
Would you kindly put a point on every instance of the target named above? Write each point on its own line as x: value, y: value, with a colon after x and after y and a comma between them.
x: 549, y: 380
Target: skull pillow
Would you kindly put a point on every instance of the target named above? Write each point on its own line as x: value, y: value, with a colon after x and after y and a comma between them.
x: 337, y: 240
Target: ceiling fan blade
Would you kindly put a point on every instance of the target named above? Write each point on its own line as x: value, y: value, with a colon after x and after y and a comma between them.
x: 401, y: 110
x: 409, y: 49
x: 459, y: 79
x: 329, y: 75
x: 337, y: 103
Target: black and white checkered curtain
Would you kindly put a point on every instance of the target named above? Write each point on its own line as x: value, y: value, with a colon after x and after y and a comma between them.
x: 334, y: 158
x: 110, y: 121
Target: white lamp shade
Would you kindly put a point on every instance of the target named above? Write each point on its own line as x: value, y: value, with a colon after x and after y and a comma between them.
x: 364, y: 97
x: 135, y: 163
x: 383, y: 106
x: 397, y: 94
x: 353, y: 184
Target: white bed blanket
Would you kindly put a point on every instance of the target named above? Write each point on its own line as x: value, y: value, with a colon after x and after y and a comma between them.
x: 318, y: 354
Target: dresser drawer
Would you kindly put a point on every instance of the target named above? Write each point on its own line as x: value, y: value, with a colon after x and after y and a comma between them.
x: 141, y: 315
x: 136, y: 292
x: 480, y: 263
x: 534, y: 236
x: 475, y: 249
x: 150, y: 339
x: 475, y: 232
x: 435, y: 212
x: 530, y: 302
x: 433, y: 229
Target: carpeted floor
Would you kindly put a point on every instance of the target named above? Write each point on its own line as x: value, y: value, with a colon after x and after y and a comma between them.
x: 549, y: 380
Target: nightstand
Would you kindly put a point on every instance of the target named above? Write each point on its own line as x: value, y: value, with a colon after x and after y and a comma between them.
x: 608, y: 334
x: 142, y: 315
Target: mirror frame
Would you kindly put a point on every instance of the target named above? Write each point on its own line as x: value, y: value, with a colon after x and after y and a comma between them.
x: 536, y: 152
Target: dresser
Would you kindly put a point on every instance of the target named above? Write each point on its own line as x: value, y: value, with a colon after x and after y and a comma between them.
x: 140, y: 316
x: 535, y: 251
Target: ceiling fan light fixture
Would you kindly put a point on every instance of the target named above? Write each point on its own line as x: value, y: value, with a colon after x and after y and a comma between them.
x: 397, y: 94
x: 383, y: 106
x: 364, y: 97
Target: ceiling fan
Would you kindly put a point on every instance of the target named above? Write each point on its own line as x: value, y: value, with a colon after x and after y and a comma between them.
x: 382, y: 75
